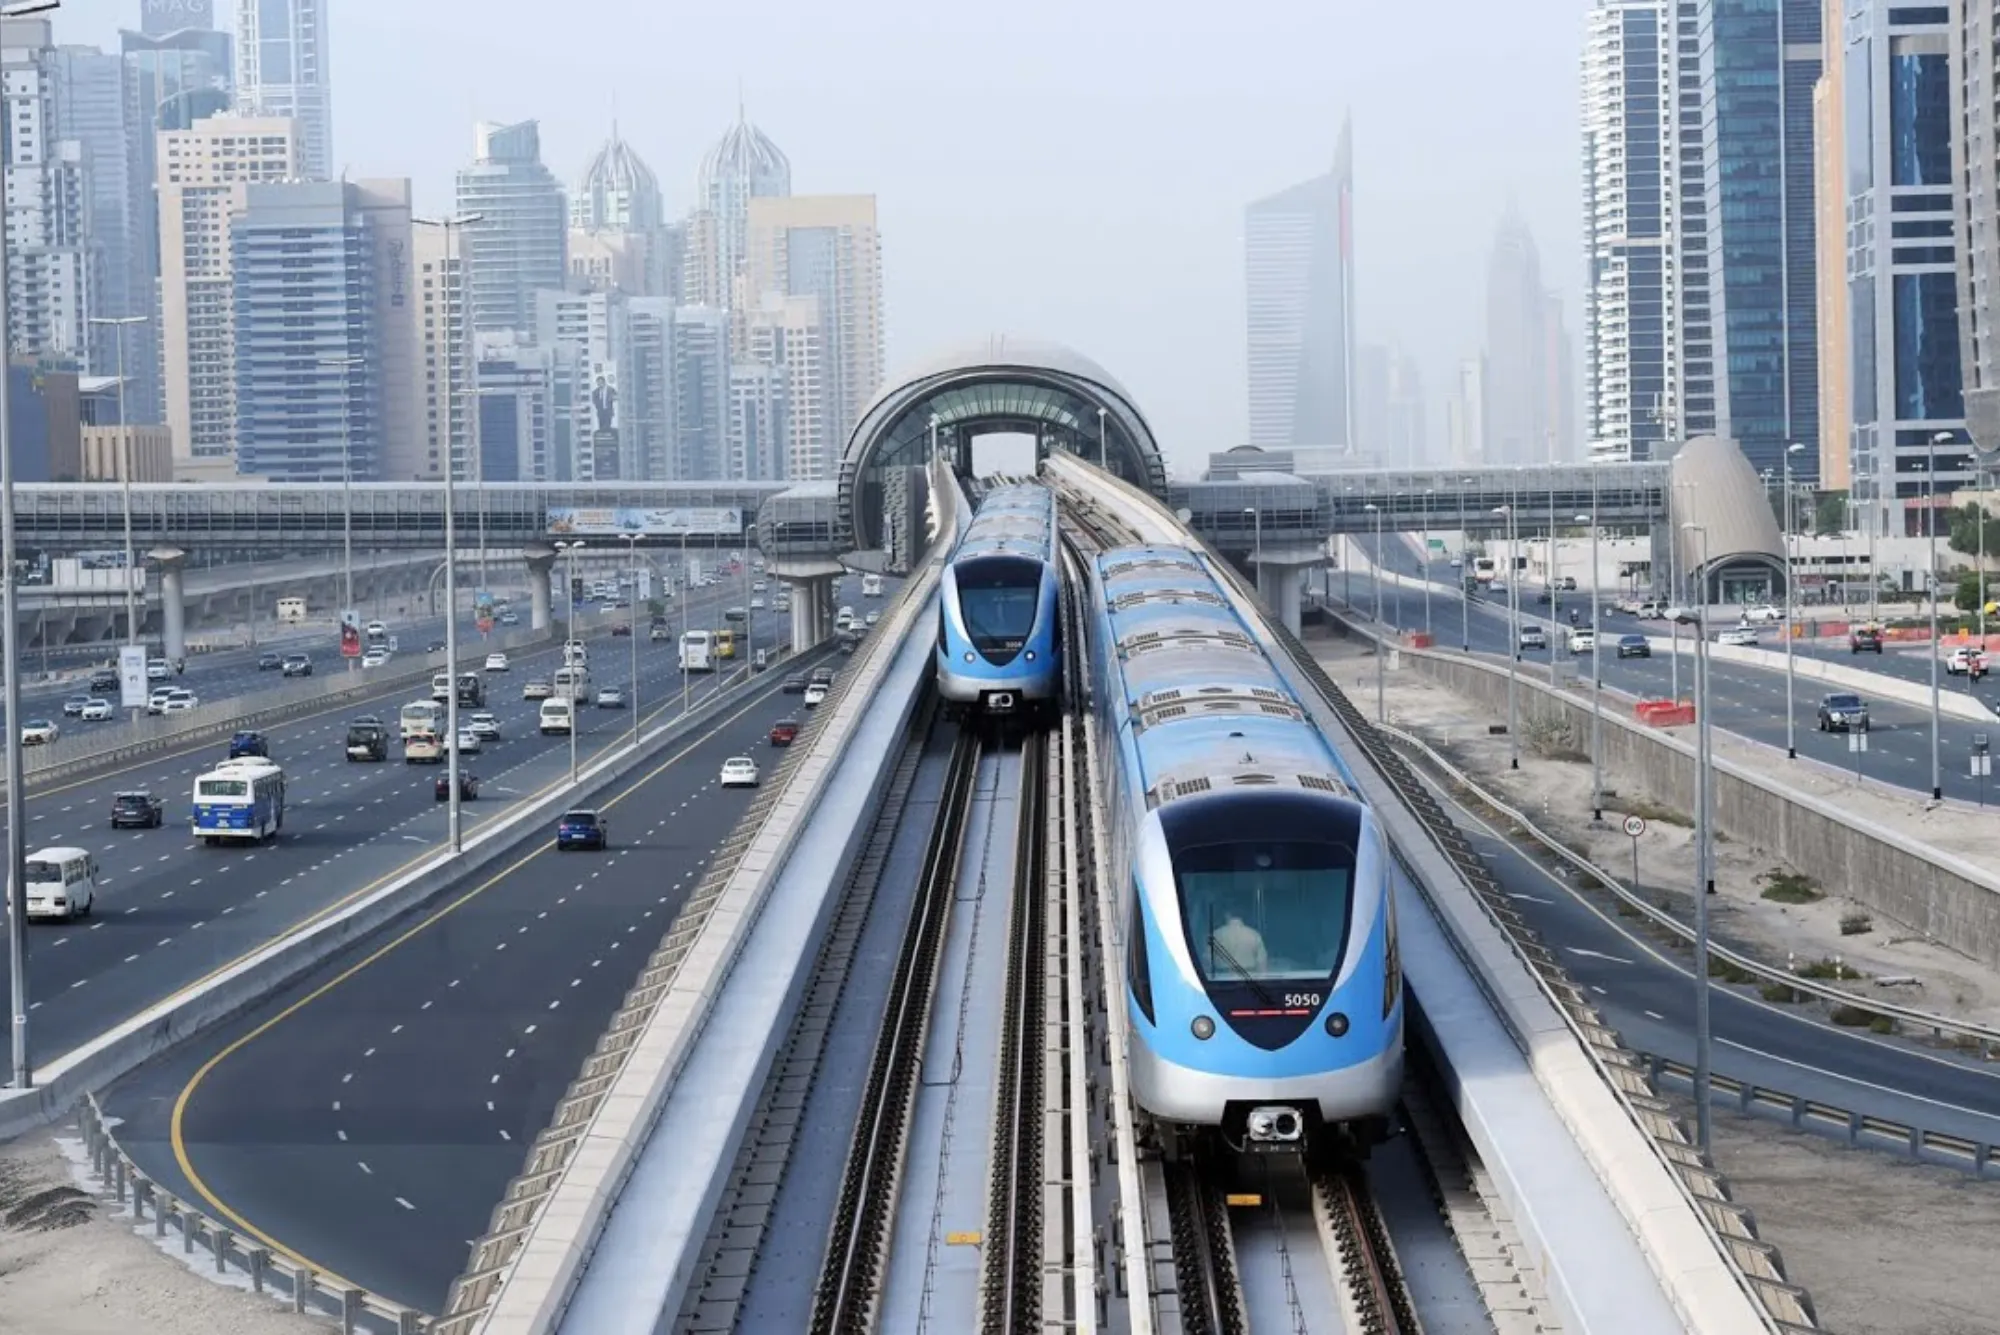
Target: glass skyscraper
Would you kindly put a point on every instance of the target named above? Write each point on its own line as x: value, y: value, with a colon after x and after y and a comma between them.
x: 1758, y: 62
x: 281, y: 70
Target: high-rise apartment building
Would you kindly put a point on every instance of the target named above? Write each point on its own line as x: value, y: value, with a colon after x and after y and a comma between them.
x: 789, y: 334
x: 759, y: 423
x: 617, y: 226
x: 826, y: 248
x: 1830, y: 255
x: 601, y: 430
x: 516, y: 249
x: 1903, y: 215
x: 742, y: 166
x: 281, y: 70
x: 324, y: 337
x: 1976, y: 150
x: 55, y: 265
x: 89, y: 88
x: 1299, y: 285
x: 516, y: 408
x: 1759, y: 61
x: 202, y: 171
x: 158, y: 17
x: 1519, y: 428
x: 1465, y: 414
x: 444, y: 364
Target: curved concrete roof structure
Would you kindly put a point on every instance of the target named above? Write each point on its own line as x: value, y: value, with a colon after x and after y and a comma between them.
x: 1002, y: 383
x: 1712, y: 484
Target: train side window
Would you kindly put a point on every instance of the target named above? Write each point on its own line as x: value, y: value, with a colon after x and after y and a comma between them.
x: 1138, y: 968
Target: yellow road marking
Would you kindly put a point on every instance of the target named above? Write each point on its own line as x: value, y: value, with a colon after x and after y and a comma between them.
x: 175, y: 1134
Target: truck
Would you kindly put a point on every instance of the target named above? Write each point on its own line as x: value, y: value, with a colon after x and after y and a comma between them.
x: 367, y: 739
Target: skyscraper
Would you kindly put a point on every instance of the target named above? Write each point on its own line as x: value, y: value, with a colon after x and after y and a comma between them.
x: 55, y: 269
x: 159, y: 17
x: 1903, y: 211
x: 201, y: 172
x: 1759, y: 61
x: 444, y: 348
x: 1691, y: 340
x: 596, y: 329
x: 1299, y: 283
x: 515, y: 409
x: 1518, y: 428
x: 1977, y: 152
x: 281, y: 70
x: 1465, y: 414
x: 743, y: 165
x: 89, y: 87
x: 517, y: 247
x: 823, y: 247
x: 323, y: 336
x: 1830, y: 256
x: 617, y: 226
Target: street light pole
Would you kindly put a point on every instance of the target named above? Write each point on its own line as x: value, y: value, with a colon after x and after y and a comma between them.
x: 1931, y: 579
x: 632, y: 555
x: 1103, y: 445
x: 1381, y: 644
x: 687, y: 598
x: 1464, y: 572
x: 453, y: 815
x: 1596, y: 666
x: 570, y: 549
x: 1791, y: 566
x: 127, y: 459
x: 1427, y: 561
x: 1704, y: 859
x: 1514, y: 645
x: 346, y: 365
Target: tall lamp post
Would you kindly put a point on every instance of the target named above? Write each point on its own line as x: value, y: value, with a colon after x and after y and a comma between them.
x: 1596, y: 667
x: 632, y: 560
x: 1257, y: 558
x: 10, y: 679
x: 1791, y: 566
x: 570, y: 549
x: 1103, y: 442
x: 346, y: 365
x: 1464, y: 572
x: 1704, y: 844
x: 1428, y: 492
x: 687, y: 612
x: 127, y: 462
x: 1514, y: 645
x: 1931, y: 579
x: 1381, y: 646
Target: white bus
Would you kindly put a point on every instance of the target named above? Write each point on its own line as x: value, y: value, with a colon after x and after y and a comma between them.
x: 1482, y: 569
x: 697, y: 651
x: 243, y: 799
x: 871, y: 586
x: 422, y: 716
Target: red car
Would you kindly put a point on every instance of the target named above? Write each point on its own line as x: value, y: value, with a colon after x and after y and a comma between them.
x: 784, y: 732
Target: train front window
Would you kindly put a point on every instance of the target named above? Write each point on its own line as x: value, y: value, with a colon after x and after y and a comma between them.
x: 1261, y: 905
x: 998, y: 597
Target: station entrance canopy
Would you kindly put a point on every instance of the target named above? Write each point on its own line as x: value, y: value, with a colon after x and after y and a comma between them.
x: 1000, y: 384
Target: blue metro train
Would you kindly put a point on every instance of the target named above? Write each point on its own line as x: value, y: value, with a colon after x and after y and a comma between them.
x: 998, y: 645
x: 1263, y: 982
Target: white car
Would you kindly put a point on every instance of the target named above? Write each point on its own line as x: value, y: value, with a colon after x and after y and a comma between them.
x: 1762, y: 614
x: 739, y: 772
x: 1741, y: 636
x: 537, y: 690
x: 469, y: 743
x: 156, y: 703
x: 497, y: 663
x: 1581, y: 641
x: 39, y: 732
x: 157, y: 669
x: 611, y: 698
x: 374, y: 658
x: 179, y: 700
x: 874, y: 618
x: 756, y: 604
x: 484, y: 726
x: 815, y: 695
x: 96, y: 710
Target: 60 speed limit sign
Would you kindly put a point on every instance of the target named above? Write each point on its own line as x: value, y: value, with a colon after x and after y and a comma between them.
x: 1635, y: 826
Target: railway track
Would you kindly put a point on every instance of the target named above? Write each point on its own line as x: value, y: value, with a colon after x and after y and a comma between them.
x: 850, y: 1287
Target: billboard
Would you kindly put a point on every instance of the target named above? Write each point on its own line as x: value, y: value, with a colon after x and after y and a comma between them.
x: 350, y: 634
x: 482, y: 610
x: 649, y: 521
x: 132, y: 676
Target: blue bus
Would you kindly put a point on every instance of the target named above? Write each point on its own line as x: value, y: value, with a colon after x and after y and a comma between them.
x: 243, y: 799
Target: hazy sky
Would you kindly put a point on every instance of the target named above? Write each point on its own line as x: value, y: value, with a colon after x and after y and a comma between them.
x: 1072, y: 169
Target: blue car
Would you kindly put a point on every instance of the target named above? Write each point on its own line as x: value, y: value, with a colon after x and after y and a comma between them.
x: 249, y: 744
x: 582, y: 829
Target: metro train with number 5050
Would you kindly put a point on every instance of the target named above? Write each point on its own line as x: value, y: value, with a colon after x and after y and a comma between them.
x: 1263, y: 981
x: 999, y: 619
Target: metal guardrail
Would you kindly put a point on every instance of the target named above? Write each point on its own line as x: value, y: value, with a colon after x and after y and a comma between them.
x: 311, y: 1292
x: 1986, y: 1040
x: 494, y: 1253
x: 60, y: 760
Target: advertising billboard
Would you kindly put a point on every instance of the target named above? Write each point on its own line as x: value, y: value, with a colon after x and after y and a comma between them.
x: 649, y: 521
x: 350, y: 634
x: 482, y: 610
x: 132, y: 676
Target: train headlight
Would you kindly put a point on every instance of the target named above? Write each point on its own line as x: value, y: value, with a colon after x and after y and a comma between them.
x: 1204, y: 1028
x: 1031, y: 655
x: 1336, y: 1024
x: 968, y: 655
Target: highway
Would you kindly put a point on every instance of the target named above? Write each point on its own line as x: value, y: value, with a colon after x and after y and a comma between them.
x: 1748, y: 701
x: 368, y: 1119
x: 172, y: 913
x: 1646, y: 992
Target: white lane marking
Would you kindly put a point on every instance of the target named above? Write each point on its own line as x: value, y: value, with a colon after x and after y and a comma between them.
x: 1596, y: 955
x: 342, y: 1135
x: 1654, y: 1015
x: 1986, y: 1114
x: 405, y: 1204
x: 366, y: 1169
x: 346, y: 1078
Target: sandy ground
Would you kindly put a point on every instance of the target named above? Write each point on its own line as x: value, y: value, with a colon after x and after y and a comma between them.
x: 1883, y: 1245
x: 72, y: 1263
x: 1555, y: 794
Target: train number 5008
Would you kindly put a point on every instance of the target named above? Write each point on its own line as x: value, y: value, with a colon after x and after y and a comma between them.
x: 1297, y: 999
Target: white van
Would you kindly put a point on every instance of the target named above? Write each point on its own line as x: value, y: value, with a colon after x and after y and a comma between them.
x: 572, y: 682
x: 557, y: 718
x: 61, y: 883
x: 574, y: 654
x: 441, y: 687
x: 845, y: 620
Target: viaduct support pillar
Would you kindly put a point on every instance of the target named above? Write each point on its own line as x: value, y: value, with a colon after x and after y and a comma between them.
x: 1279, y: 575
x: 173, y: 600
x: 541, y: 601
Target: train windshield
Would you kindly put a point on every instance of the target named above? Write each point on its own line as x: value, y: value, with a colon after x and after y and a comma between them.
x: 998, y: 597
x: 1266, y: 887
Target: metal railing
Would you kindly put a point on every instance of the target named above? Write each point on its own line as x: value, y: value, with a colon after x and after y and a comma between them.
x: 269, y: 1271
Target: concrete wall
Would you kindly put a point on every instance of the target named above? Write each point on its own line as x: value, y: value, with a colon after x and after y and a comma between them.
x: 1942, y: 896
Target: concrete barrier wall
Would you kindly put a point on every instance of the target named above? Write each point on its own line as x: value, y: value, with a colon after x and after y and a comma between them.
x: 1943, y: 896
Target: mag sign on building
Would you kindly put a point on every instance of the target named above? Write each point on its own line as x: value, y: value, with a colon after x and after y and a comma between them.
x: 647, y: 521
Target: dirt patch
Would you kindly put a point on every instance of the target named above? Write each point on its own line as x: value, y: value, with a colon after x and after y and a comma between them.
x: 72, y: 1263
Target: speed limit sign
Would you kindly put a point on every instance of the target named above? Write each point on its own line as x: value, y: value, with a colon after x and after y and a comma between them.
x: 1635, y: 826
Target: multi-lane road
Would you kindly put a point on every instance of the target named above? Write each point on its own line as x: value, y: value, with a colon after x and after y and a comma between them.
x: 1749, y: 701
x: 170, y: 913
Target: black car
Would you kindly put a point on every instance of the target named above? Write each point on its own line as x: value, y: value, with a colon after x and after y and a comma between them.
x: 1865, y: 639
x: 822, y: 676
x: 367, y: 739
x: 795, y: 684
x: 434, y: 647
x: 104, y: 679
x: 468, y: 787
x: 269, y: 662
x: 1634, y: 646
x: 1843, y: 711
x: 249, y: 744
x: 137, y: 811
